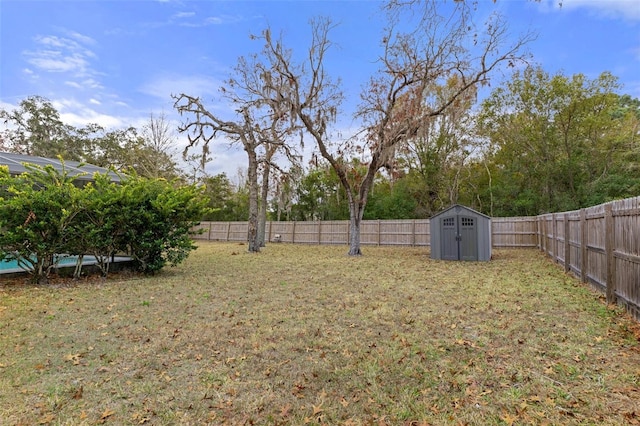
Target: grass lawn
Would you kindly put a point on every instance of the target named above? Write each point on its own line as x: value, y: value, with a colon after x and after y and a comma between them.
x: 307, y: 335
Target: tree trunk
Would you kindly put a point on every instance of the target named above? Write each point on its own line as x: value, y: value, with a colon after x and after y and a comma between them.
x: 262, y: 213
x: 252, y: 175
x: 355, y: 219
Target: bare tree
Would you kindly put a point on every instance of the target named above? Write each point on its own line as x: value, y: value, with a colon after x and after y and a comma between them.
x: 396, y: 103
x: 263, y: 128
x: 205, y: 127
x: 257, y: 86
x: 156, y: 157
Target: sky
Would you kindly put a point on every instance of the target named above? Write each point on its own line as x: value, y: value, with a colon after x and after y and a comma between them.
x: 114, y: 62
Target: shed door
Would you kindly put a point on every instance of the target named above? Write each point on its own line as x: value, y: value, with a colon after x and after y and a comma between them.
x: 468, y: 238
x: 449, y: 239
x: 459, y: 238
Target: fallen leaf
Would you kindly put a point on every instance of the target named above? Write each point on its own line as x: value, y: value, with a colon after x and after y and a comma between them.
x: 78, y: 393
x: 509, y: 419
x: 286, y: 410
x: 106, y: 414
x: 46, y: 419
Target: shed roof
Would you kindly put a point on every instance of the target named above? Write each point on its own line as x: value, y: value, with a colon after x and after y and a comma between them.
x: 80, y: 171
x: 458, y: 207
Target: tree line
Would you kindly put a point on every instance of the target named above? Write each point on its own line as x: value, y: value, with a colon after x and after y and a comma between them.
x: 537, y: 143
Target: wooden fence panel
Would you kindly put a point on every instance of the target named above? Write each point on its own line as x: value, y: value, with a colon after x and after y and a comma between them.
x: 281, y: 231
x: 201, y: 231
x: 370, y: 232
x: 574, y: 242
x: 237, y: 231
x: 626, y: 253
x: 596, y: 255
x: 423, y: 232
x: 397, y: 233
x: 335, y: 232
x: 306, y: 233
x: 514, y: 232
x: 547, y: 234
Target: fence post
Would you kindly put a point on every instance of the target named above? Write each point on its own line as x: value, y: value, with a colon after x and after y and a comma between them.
x: 378, y: 231
x: 548, y: 234
x: 413, y: 233
x: 293, y: 232
x: 229, y: 230
x: 554, y: 247
x: 209, y: 234
x: 543, y: 234
x: 609, y: 242
x: 567, y: 247
x: 319, y: 231
x: 270, y: 227
x: 584, y: 253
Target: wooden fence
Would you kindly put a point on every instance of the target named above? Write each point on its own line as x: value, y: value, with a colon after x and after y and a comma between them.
x: 600, y: 245
x: 506, y: 232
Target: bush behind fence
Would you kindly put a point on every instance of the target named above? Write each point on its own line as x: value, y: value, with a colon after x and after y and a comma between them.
x: 600, y: 244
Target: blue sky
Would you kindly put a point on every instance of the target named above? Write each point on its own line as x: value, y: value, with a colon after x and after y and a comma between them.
x: 113, y: 62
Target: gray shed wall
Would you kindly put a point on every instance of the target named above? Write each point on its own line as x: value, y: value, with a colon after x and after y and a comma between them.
x: 475, y: 243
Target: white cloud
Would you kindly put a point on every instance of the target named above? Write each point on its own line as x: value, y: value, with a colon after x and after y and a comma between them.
x: 81, y: 38
x: 181, y: 15
x: 88, y: 116
x: 55, y: 61
x: 214, y: 20
x: 616, y: 9
x: 191, y: 20
x: 163, y: 86
x: 68, y: 55
x: 91, y: 83
x: 78, y: 114
x: 95, y: 101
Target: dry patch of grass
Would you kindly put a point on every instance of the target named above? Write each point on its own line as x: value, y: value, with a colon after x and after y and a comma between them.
x: 307, y: 335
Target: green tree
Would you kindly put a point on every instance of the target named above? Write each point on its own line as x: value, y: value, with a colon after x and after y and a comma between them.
x: 554, y: 140
x: 225, y: 202
x: 391, y: 199
x: 35, y: 128
x: 318, y: 195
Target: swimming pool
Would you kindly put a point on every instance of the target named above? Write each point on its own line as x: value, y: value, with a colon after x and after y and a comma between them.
x: 11, y: 266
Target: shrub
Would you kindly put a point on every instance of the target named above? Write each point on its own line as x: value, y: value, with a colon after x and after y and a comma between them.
x: 42, y: 213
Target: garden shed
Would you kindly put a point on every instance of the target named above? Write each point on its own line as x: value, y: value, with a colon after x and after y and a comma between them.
x: 460, y: 233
